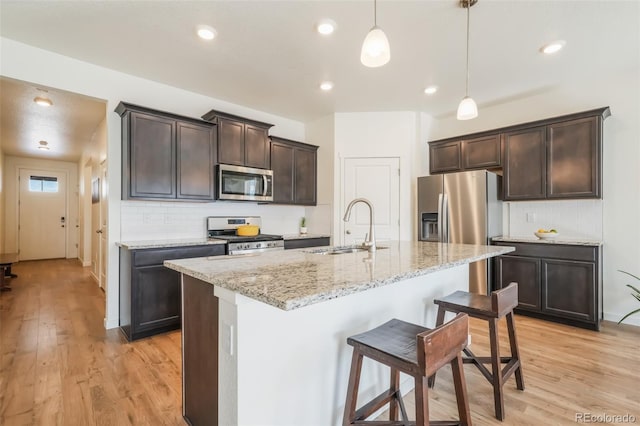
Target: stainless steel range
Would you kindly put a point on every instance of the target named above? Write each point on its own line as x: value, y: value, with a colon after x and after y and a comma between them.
x: 224, y: 228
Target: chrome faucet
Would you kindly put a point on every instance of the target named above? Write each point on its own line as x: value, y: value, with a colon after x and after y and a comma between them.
x: 370, y: 239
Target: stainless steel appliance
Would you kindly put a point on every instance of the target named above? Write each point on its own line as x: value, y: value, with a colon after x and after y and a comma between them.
x: 462, y: 208
x: 244, y: 183
x: 224, y: 228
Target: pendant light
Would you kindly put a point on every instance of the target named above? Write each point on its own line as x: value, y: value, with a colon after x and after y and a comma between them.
x: 375, y: 49
x: 467, y: 108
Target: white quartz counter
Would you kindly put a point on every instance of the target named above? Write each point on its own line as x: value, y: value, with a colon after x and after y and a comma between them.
x: 559, y: 240
x: 296, y: 278
x: 146, y: 244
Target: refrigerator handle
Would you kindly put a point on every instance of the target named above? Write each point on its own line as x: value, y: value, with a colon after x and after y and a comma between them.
x: 440, y: 219
x: 445, y: 218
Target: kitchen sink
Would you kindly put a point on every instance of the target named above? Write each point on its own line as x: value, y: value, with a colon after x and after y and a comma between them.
x: 341, y: 250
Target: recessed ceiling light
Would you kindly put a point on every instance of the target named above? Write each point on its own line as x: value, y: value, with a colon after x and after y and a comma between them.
x: 206, y: 32
x: 431, y: 90
x: 45, y: 102
x: 553, y: 47
x: 326, y: 85
x: 326, y: 26
x: 44, y: 145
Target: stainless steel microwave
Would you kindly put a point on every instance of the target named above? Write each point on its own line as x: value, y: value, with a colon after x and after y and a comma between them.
x: 244, y: 183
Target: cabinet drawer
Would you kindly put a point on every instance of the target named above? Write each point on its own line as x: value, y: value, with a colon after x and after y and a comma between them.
x: 148, y: 257
x: 553, y: 251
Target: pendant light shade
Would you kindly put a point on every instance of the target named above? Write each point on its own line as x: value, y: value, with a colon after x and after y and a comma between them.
x: 375, y: 49
x: 467, y: 108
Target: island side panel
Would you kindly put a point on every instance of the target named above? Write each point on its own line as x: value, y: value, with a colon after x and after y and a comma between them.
x: 199, y: 352
x: 293, y: 365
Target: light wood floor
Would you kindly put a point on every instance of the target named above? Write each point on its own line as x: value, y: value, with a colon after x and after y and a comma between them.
x: 58, y: 366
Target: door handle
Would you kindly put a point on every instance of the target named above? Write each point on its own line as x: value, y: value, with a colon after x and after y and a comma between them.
x: 99, y: 231
x: 265, y: 182
x: 348, y: 232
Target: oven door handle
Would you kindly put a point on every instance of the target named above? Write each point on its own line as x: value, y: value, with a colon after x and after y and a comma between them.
x: 265, y: 185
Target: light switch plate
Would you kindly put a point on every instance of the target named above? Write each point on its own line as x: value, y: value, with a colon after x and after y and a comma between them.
x: 531, y: 217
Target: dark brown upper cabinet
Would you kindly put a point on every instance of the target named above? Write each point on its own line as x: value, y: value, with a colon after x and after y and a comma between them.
x: 573, y: 159
x: 445, y: 157
x: 481, y: 153
x: 294, y: 166
x: 555, y: 158
x: 459, y: 154
x: 525, y: 164
x: 166, y: 156
x: 241, y: 141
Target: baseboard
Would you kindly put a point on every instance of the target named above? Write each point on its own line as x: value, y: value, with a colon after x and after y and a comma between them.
x: 109, y: 324
x: 632, y: 320
x: 95, y: 278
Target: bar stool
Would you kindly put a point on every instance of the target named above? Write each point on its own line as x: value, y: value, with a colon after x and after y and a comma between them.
x: 416, y: 351
x: 490, y: 308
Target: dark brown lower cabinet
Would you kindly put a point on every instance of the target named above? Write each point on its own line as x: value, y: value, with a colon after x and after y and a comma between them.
x: 556, y: 282
x: 306, y: 242
x: 199, y: 353
x: 150, y: 301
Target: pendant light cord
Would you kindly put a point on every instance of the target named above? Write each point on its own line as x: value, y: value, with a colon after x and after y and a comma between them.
x: 375, y: 14
x: 468, y: 12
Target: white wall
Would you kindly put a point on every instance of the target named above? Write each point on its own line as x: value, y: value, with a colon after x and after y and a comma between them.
x: 380, y: 134
x: 574, y: 219
x: 23, y: 62
x: 173, y: 220
x: 321, y: 132
x: 621, y: 168
x: 94, y: 152
x: 11, y: 171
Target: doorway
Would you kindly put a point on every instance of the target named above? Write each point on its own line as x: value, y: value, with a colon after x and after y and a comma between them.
x: 99, y: 225
x: 378, y: 180
x: 42, y: 214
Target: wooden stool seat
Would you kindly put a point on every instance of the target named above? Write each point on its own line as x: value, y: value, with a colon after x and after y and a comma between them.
x: 498, y: 305
x: 416, y: 351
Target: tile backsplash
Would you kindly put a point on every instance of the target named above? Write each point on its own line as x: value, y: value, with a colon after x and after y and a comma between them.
x: 158, y: 221
x: 573, y: 219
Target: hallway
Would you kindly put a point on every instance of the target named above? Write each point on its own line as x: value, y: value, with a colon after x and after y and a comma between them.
x: 59, y: 365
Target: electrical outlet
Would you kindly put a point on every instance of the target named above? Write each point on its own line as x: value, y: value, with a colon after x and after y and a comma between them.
x: 531, y: 217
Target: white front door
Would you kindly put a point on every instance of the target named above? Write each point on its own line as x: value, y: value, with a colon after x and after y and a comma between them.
x: 378, y: 180
x: 42, y: 214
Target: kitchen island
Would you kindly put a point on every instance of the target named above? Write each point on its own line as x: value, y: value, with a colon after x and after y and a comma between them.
x: 264, y: 337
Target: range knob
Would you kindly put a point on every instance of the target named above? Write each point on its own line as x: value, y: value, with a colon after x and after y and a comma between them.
x: 259, y: 245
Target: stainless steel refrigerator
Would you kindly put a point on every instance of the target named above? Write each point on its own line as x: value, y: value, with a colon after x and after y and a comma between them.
x: 462, y: 208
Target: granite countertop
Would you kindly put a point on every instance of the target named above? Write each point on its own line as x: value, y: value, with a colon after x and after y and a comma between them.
x: 304, y: 236
x: 181, y: 242
x: 567, y: 241
x: 296, y: 278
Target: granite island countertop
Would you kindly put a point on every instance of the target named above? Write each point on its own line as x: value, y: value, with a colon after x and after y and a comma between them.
x: 558, y: 240
x: 296, y: 278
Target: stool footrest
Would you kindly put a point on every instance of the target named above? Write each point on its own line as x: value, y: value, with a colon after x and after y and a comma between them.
x: 375, y: 404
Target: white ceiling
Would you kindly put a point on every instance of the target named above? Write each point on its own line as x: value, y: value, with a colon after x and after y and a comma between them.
x: 268, y: 56
x: 67, y: 126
